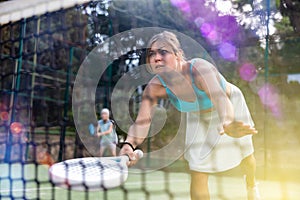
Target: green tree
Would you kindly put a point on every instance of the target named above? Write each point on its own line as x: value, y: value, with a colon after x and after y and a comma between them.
x: 291, y: 9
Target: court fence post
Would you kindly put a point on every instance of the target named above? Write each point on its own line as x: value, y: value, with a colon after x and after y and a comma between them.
x: 66, y: 107
x: 266, y: 75
x: 14, y: 92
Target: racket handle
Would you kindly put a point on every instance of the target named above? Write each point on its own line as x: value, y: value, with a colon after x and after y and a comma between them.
x: 139, y: 153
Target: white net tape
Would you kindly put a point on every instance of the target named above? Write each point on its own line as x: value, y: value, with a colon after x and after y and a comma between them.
x: 11, y: 11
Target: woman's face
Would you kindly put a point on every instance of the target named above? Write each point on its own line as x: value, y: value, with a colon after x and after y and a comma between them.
x: 162, y: 58
x: 104, y: 116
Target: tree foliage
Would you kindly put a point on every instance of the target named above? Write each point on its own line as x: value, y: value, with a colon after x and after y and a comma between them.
x: 291, y: 9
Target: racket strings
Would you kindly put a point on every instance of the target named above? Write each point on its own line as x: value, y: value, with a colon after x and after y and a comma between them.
x: 89, y: 173
x: 91, y: 167
x: 86, y: 169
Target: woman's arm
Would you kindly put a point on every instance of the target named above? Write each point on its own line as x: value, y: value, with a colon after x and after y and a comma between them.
x: 207, y: 77
x: 105, y: 132
x: 98, y: 128
x: 139, y: 130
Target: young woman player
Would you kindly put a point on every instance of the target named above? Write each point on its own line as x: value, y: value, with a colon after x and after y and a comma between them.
x: 224, y: 137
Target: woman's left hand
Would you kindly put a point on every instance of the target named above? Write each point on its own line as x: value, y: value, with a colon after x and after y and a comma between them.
x: 238, y: 129
x: 133, y: 157
x: 99, y: 134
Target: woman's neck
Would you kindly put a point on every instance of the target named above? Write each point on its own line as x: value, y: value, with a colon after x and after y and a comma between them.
x: 175, y: 77
x: 181, y: 66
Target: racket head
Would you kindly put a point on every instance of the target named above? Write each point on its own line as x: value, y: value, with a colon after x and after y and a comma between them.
x: 92, y: 129
x: 90, y: 173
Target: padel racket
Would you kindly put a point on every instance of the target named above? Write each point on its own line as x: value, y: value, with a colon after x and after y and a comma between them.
x: 92, y: 129
x: 91, y: 173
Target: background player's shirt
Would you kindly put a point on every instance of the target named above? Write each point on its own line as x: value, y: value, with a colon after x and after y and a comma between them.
x: 109, y: 138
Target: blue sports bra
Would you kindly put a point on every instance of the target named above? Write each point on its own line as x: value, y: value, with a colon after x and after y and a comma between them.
x: 202, y: 102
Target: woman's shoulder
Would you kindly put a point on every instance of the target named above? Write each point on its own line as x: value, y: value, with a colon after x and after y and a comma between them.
x: 155, y: 83
x: 201, y: 62
x: 200, y: 65
x: 155, y: 88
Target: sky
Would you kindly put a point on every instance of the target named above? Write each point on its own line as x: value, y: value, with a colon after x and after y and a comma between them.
x: 293, y: 77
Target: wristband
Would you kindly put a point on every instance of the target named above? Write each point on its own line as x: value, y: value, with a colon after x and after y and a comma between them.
x: 123, y: 143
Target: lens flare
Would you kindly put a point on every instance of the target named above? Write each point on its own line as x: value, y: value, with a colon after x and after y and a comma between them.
x: 228, y: 27
x: 206, y: 29
x: 228, y: 51
x: 16, y: 128
x: 4, y: 116
x: 182, y: 5
x: 199, y: 21
x: 269, y: 97
x: 267, y: 94
x: 248, y: 72
x: 213, y: 36
x: 276, y: 111
x: 45, y: 158
x: 209, y: 31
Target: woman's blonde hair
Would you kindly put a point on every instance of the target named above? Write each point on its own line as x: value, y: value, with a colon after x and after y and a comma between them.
x: 169, y: 39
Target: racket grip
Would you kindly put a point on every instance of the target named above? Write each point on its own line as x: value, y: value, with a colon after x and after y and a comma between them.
x: 139, y: 153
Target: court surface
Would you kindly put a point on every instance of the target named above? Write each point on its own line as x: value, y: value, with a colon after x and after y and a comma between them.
x: 155, y: 185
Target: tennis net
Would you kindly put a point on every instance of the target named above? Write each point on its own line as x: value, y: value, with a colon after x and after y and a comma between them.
x: 43, y: 43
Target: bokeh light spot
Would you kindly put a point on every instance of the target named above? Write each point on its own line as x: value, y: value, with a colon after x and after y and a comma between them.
x: 269, y: 97
x: 199, y: 21
x: 16, y: 127
x: 4, y: 116
x: 213, y: 36
x: 45, y: 158
x: 267, y: 94
x: 206, y: 29
x: 228, y: 51
x: 276, y: 111
x: 182, y: 5
x: 228, y: 28
x: 248, y: 72
x: 210, y: 32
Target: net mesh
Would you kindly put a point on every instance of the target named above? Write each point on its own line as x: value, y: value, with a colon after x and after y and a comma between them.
x: 41, y: 49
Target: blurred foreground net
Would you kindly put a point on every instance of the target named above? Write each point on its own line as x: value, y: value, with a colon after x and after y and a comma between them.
x: 42, y: 45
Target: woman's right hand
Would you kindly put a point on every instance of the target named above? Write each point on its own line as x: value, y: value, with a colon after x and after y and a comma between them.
x: 238, y: 129
x: 127, y: 150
